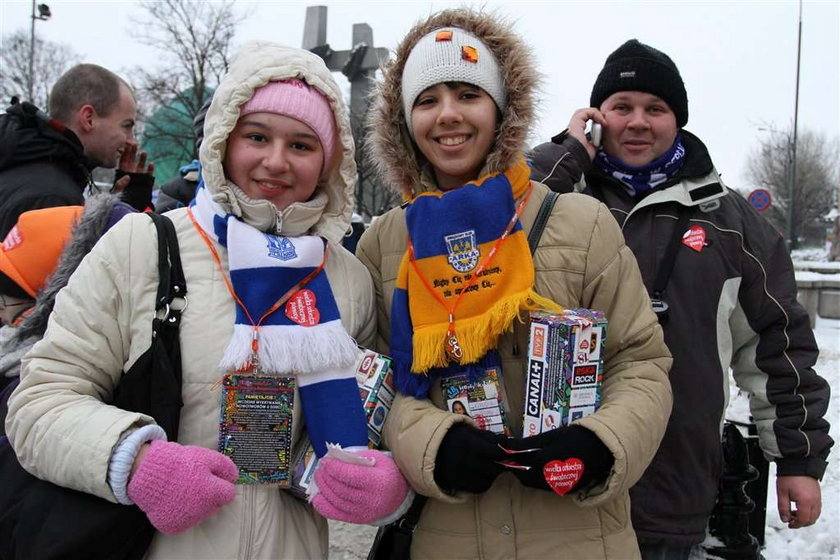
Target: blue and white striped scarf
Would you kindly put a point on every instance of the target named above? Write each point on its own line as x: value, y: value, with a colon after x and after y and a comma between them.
x: 262, y: 268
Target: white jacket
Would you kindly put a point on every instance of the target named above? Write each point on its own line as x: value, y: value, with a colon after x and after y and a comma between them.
x: 58, y: 423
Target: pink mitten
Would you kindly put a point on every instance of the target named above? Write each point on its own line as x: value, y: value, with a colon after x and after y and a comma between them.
x: 178, y: 486
x: 369, y: 491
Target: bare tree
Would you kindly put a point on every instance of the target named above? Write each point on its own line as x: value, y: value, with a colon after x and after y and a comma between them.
x: 194, y: 40
x: 817, y: 175
x: 51, y: 61
x: 373, y: 197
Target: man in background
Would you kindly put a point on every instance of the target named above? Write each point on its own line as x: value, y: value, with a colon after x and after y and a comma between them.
x: 721, y: 281
x: 46, y: 160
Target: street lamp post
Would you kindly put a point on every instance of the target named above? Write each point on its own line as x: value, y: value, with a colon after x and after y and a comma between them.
x: 792, y: 205
x: 43, y: 14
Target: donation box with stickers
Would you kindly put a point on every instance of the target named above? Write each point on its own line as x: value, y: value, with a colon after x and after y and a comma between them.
x: 565, y: 368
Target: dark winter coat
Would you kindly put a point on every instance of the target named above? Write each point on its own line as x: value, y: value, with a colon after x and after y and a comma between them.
x: 40, y: 166
x: 178, y: 192
x: 732, y: 304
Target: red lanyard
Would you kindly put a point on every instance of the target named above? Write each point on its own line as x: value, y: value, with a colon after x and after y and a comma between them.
x: 255, y: 341
x: 453, y: 349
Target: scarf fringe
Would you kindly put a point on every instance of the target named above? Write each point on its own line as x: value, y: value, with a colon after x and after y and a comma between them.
x: 299, y: 351
x: 476, y: 335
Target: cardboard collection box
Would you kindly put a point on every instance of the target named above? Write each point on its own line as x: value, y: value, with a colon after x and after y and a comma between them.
x: 565, y: 368
x: 376, y: 386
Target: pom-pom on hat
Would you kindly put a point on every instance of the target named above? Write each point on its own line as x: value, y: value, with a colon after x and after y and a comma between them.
x: 30, y: 252
x: 298, y: 100
x: 451, y: 55
x: 635, y: 66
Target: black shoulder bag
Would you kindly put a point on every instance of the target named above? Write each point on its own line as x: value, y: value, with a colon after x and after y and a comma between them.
x: 393, y: 541
x: 42, y: 520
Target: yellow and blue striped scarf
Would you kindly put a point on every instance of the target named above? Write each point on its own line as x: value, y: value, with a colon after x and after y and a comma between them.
x: 452, y: 232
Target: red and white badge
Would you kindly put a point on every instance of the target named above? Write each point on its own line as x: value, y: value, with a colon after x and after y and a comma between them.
x: 301, y: 308
x: 695, y: 238
x: 563, y: 475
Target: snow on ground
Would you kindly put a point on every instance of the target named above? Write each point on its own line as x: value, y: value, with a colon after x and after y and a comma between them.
x: 820, y: 541
x: 350, y: 542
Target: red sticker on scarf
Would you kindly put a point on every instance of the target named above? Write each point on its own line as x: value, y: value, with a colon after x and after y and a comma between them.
x: 695, y: 238
x: 301, y: 308
x: 563, y: 475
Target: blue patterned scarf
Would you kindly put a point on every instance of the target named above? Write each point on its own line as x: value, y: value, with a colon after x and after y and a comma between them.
x: 641, y: 179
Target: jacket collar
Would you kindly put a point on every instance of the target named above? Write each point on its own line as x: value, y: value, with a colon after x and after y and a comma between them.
x: 27, y: 136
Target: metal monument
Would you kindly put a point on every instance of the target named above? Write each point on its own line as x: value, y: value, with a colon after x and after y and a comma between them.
x: 358, y: 64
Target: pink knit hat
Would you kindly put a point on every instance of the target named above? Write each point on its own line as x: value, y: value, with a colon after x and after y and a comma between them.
x: 296, y: 99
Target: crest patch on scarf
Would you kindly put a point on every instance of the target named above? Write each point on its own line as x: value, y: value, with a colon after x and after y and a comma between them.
x: 280, y: 248
x: 462, y: 251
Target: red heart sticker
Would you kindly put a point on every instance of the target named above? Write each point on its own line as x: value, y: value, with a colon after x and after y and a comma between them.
x: 302, y: 310
x: 695, y: 238
x: 563, y: 475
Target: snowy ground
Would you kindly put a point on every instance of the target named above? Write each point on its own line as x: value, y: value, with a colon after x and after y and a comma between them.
x: 350, y: 542
x: 820, y: 541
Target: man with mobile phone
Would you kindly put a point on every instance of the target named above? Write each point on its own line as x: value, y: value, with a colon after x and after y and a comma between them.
x: 721, y: 281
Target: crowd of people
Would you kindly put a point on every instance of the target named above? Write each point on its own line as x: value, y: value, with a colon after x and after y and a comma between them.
x: 693, y: 283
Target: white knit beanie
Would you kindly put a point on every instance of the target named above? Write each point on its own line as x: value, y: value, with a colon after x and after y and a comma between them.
x: 450, y: 55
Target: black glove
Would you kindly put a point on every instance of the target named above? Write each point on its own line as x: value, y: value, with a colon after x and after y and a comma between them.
x: 138, y: 193
x: 560, y: 445
x: 466, y: 459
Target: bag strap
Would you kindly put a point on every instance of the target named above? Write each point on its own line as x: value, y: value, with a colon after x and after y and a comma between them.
x: 667, y: 264
x: 658, y: 304
x: 172, y: 283
x: 166, y: 386
x: 409, y: 521
x: 541, y: 220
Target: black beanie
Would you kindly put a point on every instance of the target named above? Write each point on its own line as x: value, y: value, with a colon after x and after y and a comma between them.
x: 635, y: 66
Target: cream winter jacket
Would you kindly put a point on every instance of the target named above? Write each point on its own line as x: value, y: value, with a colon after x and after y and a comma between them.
x: 581, y: 261
x: 58, y: 423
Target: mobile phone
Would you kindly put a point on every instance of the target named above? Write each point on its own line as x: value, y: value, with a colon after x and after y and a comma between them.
x: 595, y: 134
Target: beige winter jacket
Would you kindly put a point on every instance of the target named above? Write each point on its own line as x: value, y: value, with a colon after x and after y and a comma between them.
x: 58, y: 423
x: 581, y: 261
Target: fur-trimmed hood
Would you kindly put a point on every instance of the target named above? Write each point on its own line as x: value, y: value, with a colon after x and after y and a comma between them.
x: 392, y: 150
x: 256, y: 64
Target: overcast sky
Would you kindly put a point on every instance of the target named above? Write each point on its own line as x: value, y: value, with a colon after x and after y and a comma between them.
x: 737, y: 58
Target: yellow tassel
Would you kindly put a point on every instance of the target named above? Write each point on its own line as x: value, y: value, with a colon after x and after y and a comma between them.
x: 476, y: 335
